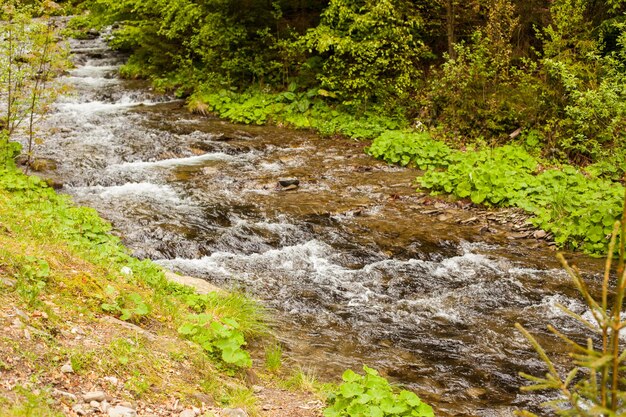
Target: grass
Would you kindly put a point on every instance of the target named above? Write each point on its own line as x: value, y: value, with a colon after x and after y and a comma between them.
x: 59, y: 267
x: 273, y: 357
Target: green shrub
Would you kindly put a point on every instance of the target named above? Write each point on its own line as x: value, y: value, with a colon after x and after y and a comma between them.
x: 371, y: 395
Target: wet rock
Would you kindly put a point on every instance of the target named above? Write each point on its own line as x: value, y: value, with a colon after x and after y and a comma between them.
x: 54, y: 183
x: 121, y: 411
x: 94, y: 396
x: 288, y: 182
x: 43, y: 164
x: 234, y: 412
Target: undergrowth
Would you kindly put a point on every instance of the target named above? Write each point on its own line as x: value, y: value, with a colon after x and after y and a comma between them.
x: 64, y: 263
x: 577, y: 206
x: 301, y: 110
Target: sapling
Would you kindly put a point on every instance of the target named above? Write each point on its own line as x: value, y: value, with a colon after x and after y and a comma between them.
x: 594, y: 385
x: 30, y: 55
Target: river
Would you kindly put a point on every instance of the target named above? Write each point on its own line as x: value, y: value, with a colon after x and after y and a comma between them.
x: 354, y: 264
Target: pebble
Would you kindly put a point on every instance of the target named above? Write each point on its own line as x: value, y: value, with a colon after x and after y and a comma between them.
x: 94, y: 396
x: 234, y: 412
x: 67, y: 368
x: 78, y: 409
x: 290, y: 187
x: 68, y: 395
x: 104, y: 406
x: 112, y: 380
x: 94, y: 404
x: 187, y: 413
x: 287, y: 182
x: 77, y: 330
x: 121, y: 411
x: 257, y: 388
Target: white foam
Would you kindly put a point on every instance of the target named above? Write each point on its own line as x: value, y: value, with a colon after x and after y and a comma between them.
x: 174, y: 162
x: 139, y: 190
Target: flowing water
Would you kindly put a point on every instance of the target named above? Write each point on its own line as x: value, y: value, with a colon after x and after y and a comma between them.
x: 353, y: 265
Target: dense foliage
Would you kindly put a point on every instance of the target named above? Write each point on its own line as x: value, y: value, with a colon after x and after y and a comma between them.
x: 469, y: 70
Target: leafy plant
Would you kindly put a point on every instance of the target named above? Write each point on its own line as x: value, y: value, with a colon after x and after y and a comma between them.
x: 129, y: 307
x: 397, y: 147
x: 32, y: 278
x: 592, y: 383
x: 221, y: 337
x: 371, y: 395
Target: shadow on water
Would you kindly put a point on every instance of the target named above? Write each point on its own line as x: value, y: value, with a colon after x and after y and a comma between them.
x: 354, y: 264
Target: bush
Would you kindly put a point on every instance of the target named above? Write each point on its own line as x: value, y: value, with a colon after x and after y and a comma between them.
x: 371, y: 395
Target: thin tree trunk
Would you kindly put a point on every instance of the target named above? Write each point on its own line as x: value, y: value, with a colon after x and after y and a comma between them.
x: 450, y: 24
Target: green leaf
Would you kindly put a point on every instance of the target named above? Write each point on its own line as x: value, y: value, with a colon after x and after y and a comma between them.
x: 351, y: 389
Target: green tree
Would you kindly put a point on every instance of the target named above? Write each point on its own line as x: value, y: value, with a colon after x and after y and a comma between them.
x: 371, y: 50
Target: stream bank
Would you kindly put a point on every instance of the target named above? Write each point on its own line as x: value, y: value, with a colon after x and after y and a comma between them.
x: 356, y: 266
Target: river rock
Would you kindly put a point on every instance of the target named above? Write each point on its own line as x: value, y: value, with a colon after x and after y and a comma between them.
x: 288, y: 182
x: 43, y: 164
x: 121, y: 411
x: 540, y: 234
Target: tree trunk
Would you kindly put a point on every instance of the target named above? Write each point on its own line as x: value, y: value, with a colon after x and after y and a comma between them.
x: 450, y: 23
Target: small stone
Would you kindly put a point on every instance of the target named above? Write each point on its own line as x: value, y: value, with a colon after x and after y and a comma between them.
x: 94, y: 396
x: 79, y: 409
x: 77, y: 330
x: 234, y: 412
x: 287, y: 182
x: 67, y: 368
x: 95, y: 404
x: 121, y: 411
x: 257, y: 388
x: 111, y: 380
x: 68, y: 395
x: 267, y: 407
x: 8, y: 282
x: 290, y: 187
x: 187, y: 413
x: 126, y: 271
x: 540, y: 234
x: 104, y: 406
